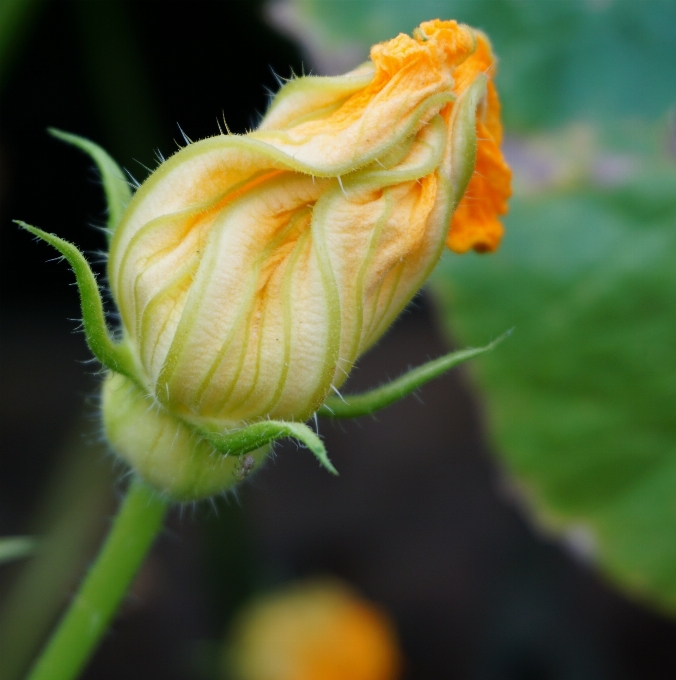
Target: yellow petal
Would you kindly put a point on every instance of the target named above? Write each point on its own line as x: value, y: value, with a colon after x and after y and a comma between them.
x: 476, y: 221
x: 252, y: 271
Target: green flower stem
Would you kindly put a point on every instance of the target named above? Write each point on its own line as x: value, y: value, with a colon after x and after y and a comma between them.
x: 134, y: 529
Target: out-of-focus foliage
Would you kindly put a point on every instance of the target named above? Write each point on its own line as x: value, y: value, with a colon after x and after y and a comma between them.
x: 15, y: 20
x: 15, y: 547
x: 558, y: 58
x: 582, y: 399
x: 69, y: 522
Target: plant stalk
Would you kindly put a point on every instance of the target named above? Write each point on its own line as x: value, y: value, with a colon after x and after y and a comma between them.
x: 134, y: 529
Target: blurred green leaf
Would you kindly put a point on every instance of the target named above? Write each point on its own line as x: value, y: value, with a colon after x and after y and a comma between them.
x: 121, y: 85
x: 15, y: 547
x: 595, y: 58
x: 582, y: 400
x: 71, y: 518
x: 16, y: 16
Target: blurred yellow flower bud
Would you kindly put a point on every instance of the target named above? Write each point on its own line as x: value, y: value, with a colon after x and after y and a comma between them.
x: 251, y: 271
x: 313, y: 631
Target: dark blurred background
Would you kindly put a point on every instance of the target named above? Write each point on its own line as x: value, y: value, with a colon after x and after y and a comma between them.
x: 421, y: 520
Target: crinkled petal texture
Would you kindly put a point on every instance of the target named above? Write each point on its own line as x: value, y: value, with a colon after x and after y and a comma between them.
x: 476, y: 224
x: 251, y: 271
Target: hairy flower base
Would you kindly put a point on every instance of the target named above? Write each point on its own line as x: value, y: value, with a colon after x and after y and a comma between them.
x: 163, y: 450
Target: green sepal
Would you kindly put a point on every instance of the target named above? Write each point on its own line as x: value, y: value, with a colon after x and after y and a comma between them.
x: 115, y: 186
x: 463, y: 139
x: 255, y: 436
x: 353, y: 406
x: 112, y: 355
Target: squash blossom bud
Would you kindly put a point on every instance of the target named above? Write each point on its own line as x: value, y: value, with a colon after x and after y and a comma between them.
x: 313, y: 630
x: 251, y: 271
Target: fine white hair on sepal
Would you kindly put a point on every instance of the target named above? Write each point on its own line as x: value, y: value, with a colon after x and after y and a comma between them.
x: 185, y: 137
x: 173, y: 441
x: 328, y: 408
x: 225, y: 124
x: 213, y: 506
x: 346, y: 373
x: 340, y: 396
x: 340, y: 181
x: 278, y: 78
x: 134, y: 183
x: 99, y: 256
x: 143, y: 165
x: 270, y: 94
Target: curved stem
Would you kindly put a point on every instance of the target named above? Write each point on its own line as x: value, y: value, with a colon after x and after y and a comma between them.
x: 134, y: 529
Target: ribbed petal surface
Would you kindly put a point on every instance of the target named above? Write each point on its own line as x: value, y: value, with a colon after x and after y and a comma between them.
x: 252, y: 271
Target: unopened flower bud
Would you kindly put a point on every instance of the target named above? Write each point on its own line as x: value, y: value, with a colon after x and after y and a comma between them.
x: 251, y: 271
x: 313, y: 630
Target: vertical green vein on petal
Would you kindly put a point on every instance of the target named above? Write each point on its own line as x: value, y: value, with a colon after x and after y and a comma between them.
x: 440, y: 215
x: 190, y: 312
x: 265, y: 255
x: 363, y: 270
x: 253, y: 383
x: 257, y: 268
x: 190, y: 263
x: 378, y: 318
x: 130, y: 317
x: 463, y: 141
x: 332, y: 299
x: 244, y: 320
x: 287, y: 291
x: 143, y: 233
x: 178, y: 281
